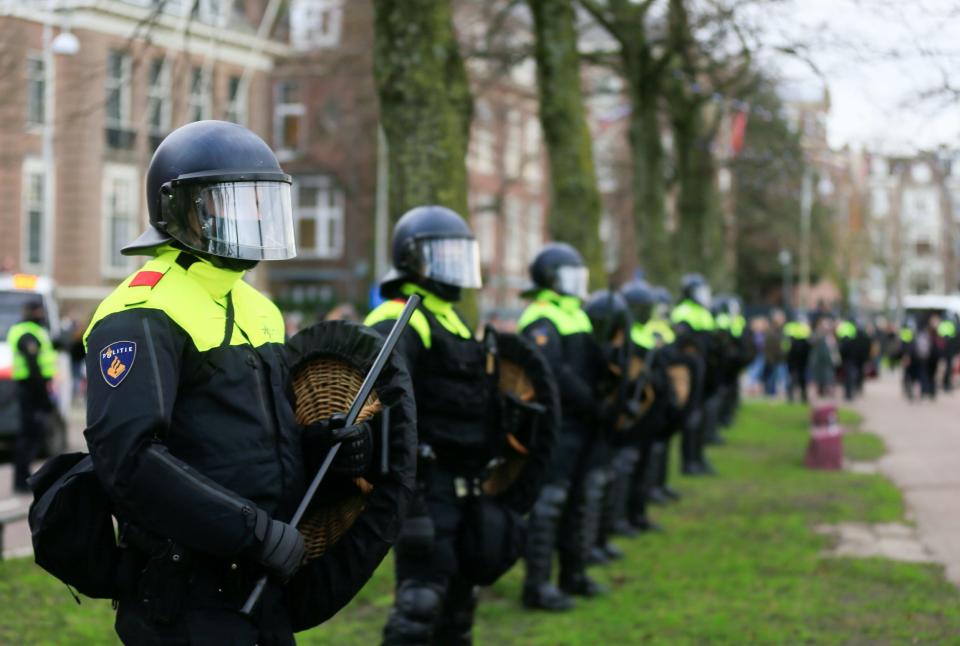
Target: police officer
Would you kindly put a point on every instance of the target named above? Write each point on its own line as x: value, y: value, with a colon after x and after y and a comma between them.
x: 660, y: 422
x: 695, y: 326
x: 34, y: 366
x: 947, y: 331
x: 736, y: 353
x: 188, y: 421
x: 849, y: 357
x: 659, y: 328
x: 796, y: 336
x: 561, y: 329
x: 436, y: 256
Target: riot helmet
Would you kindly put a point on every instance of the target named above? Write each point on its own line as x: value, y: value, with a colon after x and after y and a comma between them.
x: 216, y: 188
x: 664, y: 302
x: 642, y: 299
x: 609, y: 314
x: 560, y: 267
x: 696, y: 288
x: 726, y: 304
x: 434, y: 247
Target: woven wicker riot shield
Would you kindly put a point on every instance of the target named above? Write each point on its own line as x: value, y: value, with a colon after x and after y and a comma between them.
x: 327, y: 365
x: 529, y: 421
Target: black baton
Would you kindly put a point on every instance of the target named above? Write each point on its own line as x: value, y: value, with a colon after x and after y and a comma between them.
x: 365, y: 389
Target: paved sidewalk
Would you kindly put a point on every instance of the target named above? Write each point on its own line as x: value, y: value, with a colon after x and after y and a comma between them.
x: 923, y: 459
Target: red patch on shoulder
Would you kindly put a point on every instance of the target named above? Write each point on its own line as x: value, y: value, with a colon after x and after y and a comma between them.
x: 146, y: 279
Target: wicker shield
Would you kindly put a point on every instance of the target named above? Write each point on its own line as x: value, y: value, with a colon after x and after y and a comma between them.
x: 529, y: 422
x: 327, y: 365
x: 681, y: 383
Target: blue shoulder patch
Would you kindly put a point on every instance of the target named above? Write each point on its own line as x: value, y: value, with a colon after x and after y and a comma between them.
x: 116, y: 361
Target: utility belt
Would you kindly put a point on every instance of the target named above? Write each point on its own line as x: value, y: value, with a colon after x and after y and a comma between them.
x: 436, y: 475
x: 159, y: 575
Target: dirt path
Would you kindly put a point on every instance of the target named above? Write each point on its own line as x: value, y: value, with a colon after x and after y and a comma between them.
x: 923, y: 459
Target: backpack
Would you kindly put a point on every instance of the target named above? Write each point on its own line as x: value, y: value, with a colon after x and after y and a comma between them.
x: 71, y: 526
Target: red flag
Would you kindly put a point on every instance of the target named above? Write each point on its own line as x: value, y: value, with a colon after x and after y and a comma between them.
x: 738, y: 132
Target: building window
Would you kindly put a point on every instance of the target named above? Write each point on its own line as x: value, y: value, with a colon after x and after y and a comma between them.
x: 483, y: 150
x: 513, y: 258
x: 36, y: 92
x: 319, y: 212
x: 198, y: 107
x: 534, y: 222
x: 117, y: 83
x: 158, y: 100
x: 121, y: 191
x: 34, y: 211
x: 513, y: 157
x: 236, y: 101
x: 315, y: 23
x: 532, y: 171
x: 288, y: 116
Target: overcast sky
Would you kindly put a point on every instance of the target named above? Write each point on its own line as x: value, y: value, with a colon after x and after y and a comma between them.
x: 877, y: 58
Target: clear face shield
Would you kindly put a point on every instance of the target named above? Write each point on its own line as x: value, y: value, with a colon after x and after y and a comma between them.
x: 703, y: 295
x: 249, y: 217
x: 573, y: 281
x: 733, y: 308
x: 451, y: 261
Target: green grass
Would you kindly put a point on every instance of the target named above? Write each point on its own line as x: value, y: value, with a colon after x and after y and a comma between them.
x: 739, y: 564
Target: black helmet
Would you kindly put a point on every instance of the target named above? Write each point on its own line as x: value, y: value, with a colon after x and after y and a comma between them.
x: 560, y: 267
x: 608, y: 312
x: 726, y: 304
x: 433, y: 246
x: 641, y: 298
x: 218, y: 189
x: 696, y: 288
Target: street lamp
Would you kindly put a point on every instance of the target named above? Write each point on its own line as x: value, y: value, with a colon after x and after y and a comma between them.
x: 65, y: 44
x: 786, y: 258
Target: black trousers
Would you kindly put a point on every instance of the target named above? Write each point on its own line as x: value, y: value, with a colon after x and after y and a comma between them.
x: 851, y: 371
x: 34, y: 410
x: 434, y: 603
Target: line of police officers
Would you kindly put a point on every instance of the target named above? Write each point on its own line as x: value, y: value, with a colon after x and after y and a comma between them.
x: 193, y: 437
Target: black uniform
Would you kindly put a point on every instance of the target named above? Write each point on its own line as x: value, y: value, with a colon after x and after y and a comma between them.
x: 35, y: 405
x: 435, y: 599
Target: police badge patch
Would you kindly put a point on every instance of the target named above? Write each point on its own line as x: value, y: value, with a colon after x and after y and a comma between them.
x: 116, y: 360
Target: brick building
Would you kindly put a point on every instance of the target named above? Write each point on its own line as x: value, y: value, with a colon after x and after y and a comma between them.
x: 79, y: 128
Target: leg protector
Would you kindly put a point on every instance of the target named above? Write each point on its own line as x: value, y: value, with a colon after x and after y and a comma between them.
x: 592, y: 514
x: 542, y: 528
x: 456, y: 622
x: 615, y: 521
x: 414, y: 614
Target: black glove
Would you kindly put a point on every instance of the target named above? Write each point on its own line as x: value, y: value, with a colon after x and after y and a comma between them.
x: 359, y: 447
x: 281, y: 546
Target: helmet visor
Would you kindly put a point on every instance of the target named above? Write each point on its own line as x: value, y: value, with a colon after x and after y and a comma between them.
x: 248, y: 220
x: 702, y: 294
x: 451, y: 261
x: 573, y: 281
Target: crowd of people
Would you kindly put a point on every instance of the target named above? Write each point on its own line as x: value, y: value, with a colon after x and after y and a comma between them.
x: 831, y: 352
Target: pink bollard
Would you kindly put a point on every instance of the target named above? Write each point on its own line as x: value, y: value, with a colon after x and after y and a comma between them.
x: 825, y: 449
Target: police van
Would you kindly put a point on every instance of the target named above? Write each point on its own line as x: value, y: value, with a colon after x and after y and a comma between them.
x: 919, y: 306
x: 15, y: 291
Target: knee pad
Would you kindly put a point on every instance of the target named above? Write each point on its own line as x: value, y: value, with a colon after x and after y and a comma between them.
x: 419, y: 600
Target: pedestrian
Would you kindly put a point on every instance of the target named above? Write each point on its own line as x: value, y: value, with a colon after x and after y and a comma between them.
x: 34, y: 368
x: 773, y: 355
x: 189, y: 425
x: 824, y: 357
x: 436, y: 256
x: 557, y: 324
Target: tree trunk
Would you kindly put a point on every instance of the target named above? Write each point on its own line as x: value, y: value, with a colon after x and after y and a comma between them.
x: 648, y: 176
x: 575, y: 200
x: 425, y: 103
